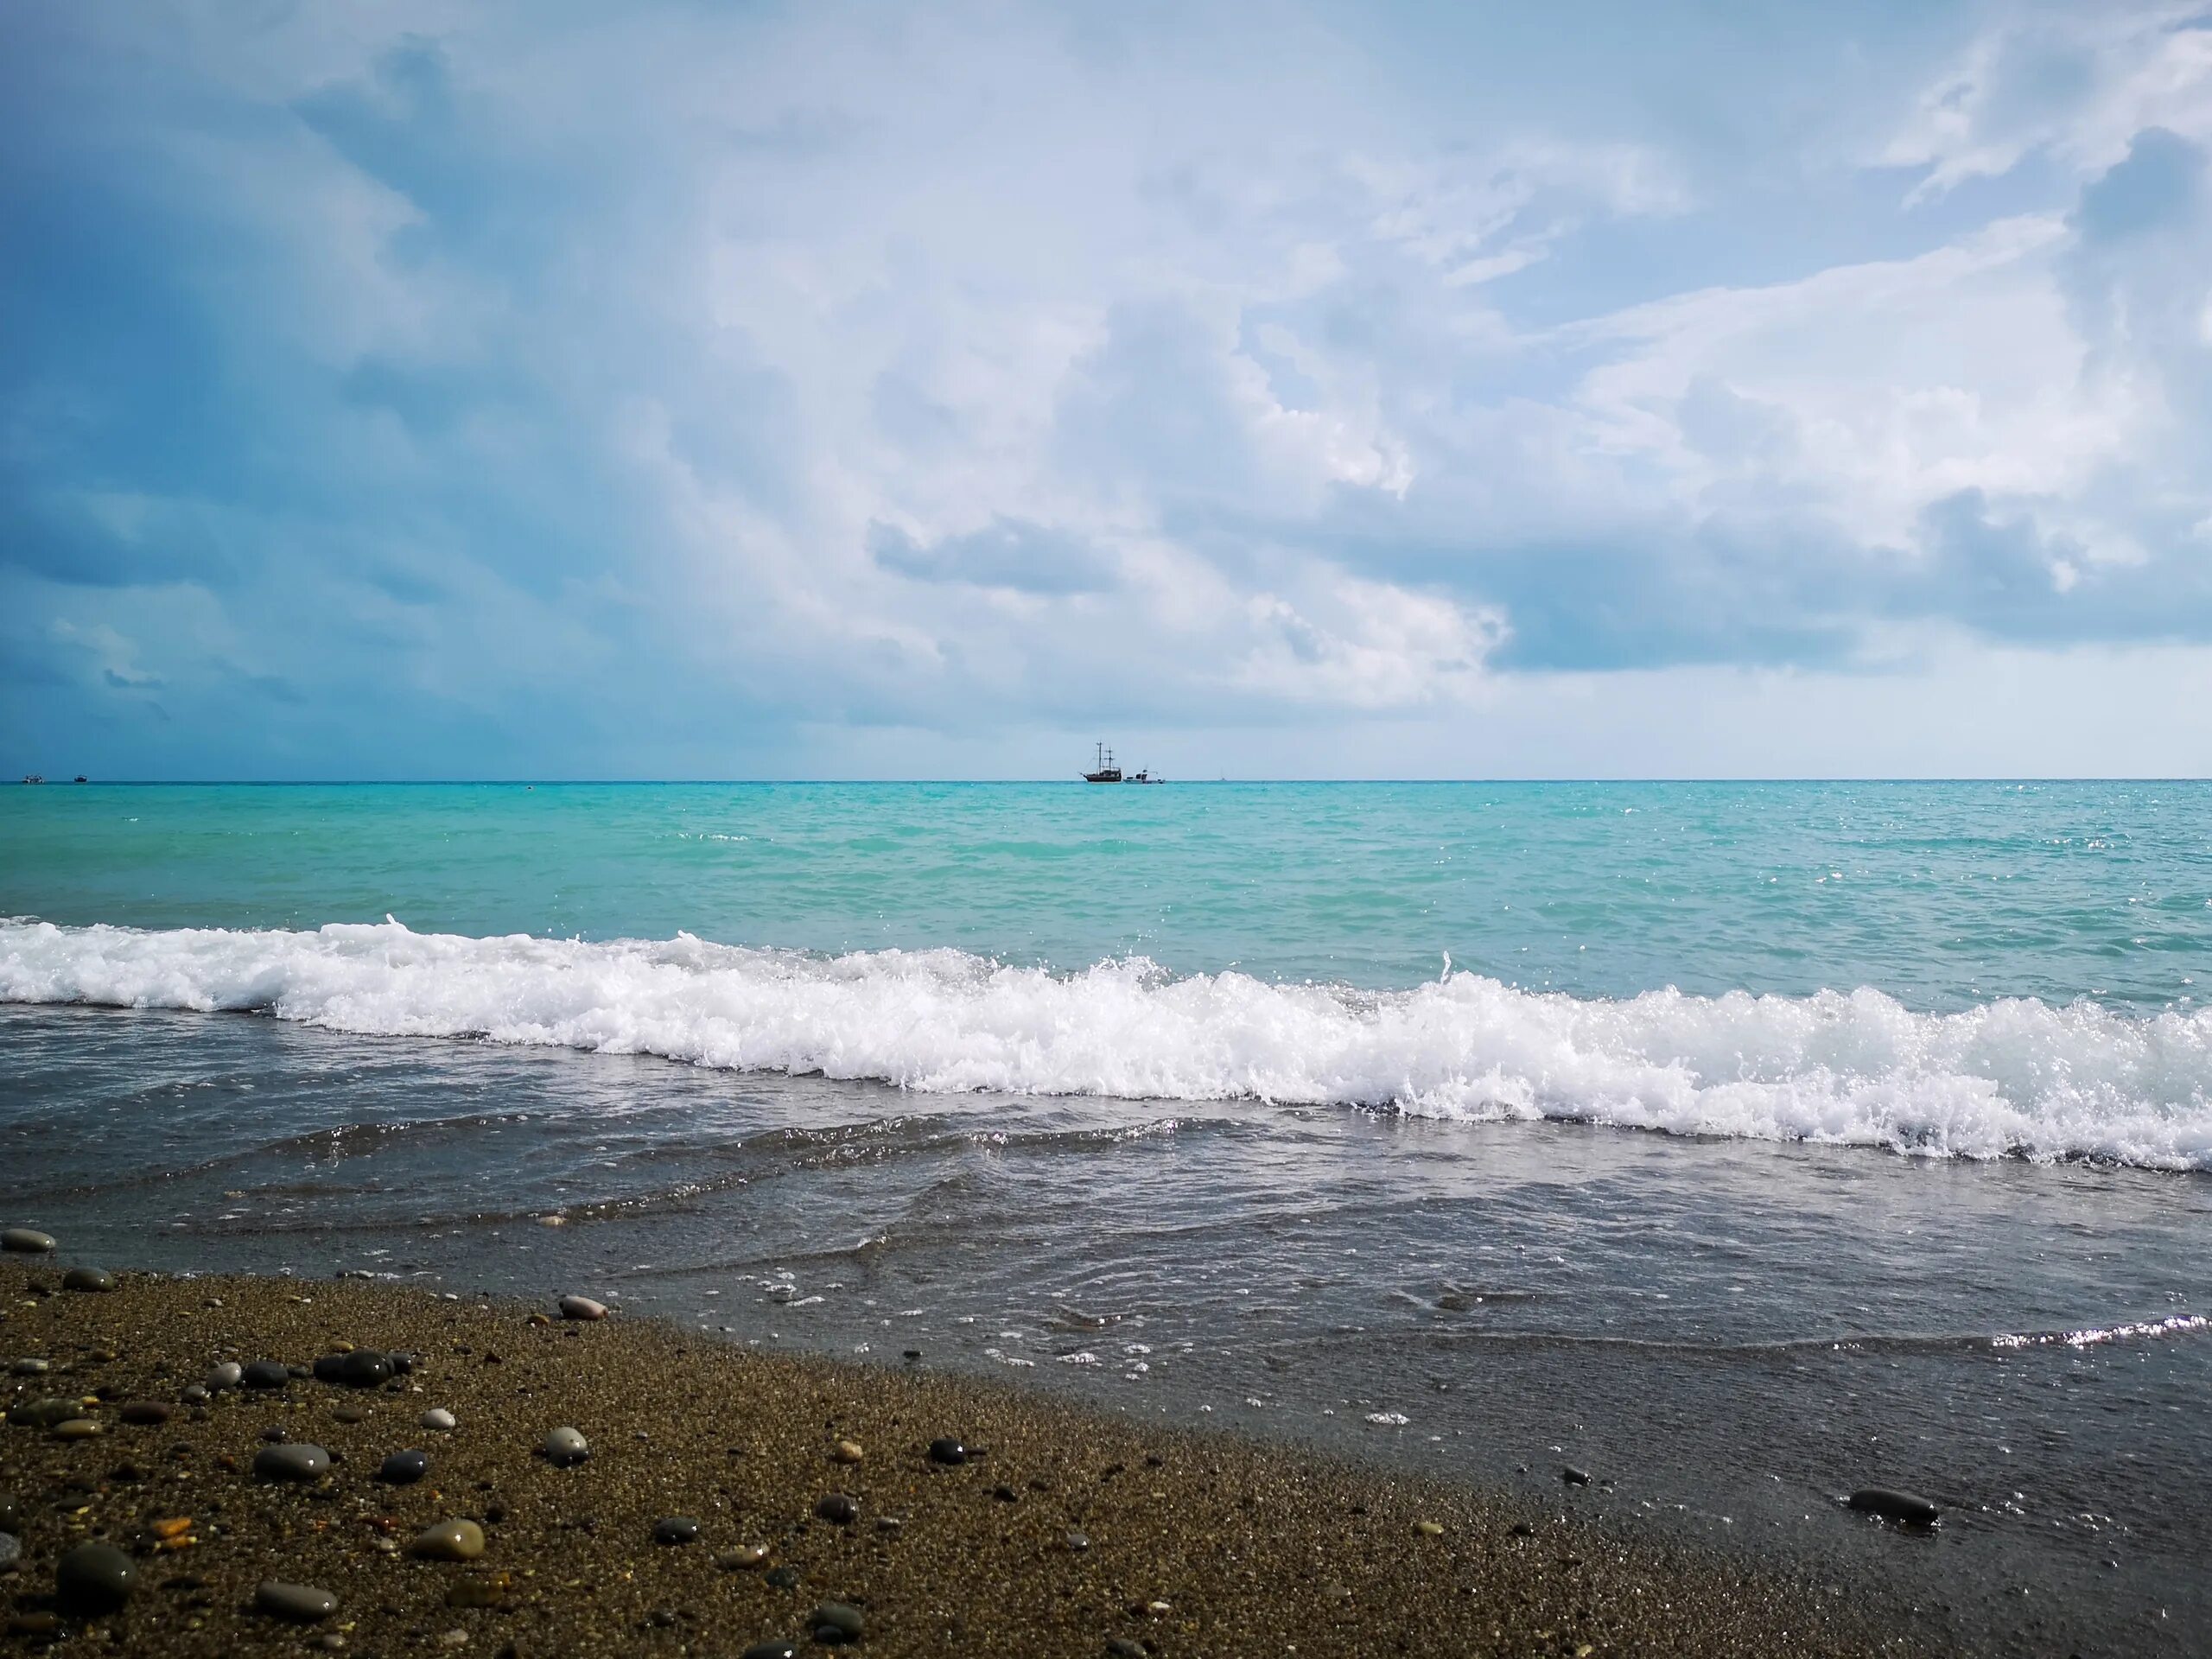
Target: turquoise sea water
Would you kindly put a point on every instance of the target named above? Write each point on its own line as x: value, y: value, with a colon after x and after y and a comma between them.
x: 1943, y: 895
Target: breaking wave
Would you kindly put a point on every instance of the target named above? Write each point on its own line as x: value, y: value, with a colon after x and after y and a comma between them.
x: 2015, y: 1077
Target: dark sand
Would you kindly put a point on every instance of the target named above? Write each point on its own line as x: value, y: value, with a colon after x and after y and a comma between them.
x: 1252, y: 1549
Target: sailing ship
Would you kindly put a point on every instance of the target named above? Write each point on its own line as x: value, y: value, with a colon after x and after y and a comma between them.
x: 1106, y: 772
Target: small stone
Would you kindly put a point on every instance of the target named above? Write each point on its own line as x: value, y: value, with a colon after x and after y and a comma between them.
x: 847, y: 1451
x: 566, y: 1447
x: 1575, y: 1477
x: 31, y: 1366
x: 302, y: 1603
x: 449, y: 1540
x: 297, y: 1461
x: 357, y: 1368
x: 228, y: 1375
x: 27, y: 1241
x: 1078, y: 1543
x: 194, y: 1394
x: 439, y: 1418
x: 43, y: 1414
x: 1892, y: 1505
x: 1428, y: 1529
x: 582, y: 1307
x: 890, y: 1524
x: 1005, y: 1495
x: 837, y: 1622
x: 946, y: 1450
x: 403, y: 1468
x: 1122, y: 1648
x: 76, y: 1428
x: 784, y: 1578
x: 1522, y: 1529
x: 769, y: 1650
x: 836, y: 1508
x: 476, y: 1592
x: 349, y: 1413
x: 454, y: 1638
x: 266, y: 1374
x: 88, y: 1278
x: 276, y: 1434
x: 146, y: 1411
x: 743, y: 1558
x: 676, y: 1529
x: 93, y: 1579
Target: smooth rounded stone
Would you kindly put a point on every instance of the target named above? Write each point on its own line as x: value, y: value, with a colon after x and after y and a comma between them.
x: 675, y: 1529
x: 947, y: 1450
x: 1429, y: 1528
x: 349, y: 1413
x: 847, y: 1451
x: 12, y: 1551
x: 743, y: 1558
x: 769, y: 1650
x: 75, y: 1428
x: 439, y: 1418
x: 1575, y: 1477
x: 403, y: 1468
x: 31, y: 1366
x: 449, y: 1540
x: 1121, y: 1647
x: 293, y: 1461
x: 228, y: 1375
x: 93, y: 1579
x: 835, y: 1622
x: 266, y: 1374
x: 43, y: 1414
x: 27, y: 1241
x: 194, y: 1394
x: 88, y: 1279
x: 838, y: 1508
x: 582, y: 1307
x: 784, y: 1578
x: 276, y: 1434
x: 146, y: 1412
x: 357, y: 1368
x: 565, y: 1447
x: 302, y: 1603
x: 1892, y: 1505
x: 1078, y: 1543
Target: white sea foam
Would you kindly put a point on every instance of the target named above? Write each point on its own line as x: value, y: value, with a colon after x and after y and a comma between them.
x: 2011, y: 1076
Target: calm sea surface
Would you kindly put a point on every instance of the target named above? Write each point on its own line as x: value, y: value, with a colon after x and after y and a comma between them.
x: 1741, y: 1143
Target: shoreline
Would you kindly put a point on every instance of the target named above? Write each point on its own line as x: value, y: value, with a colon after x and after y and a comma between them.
x: 1072, y: 1530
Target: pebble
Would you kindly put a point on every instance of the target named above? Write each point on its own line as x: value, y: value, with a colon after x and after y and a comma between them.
x: 358, y: 1368
x: 582, y: 1307
x: 403, y: 1468
x: 784, y: 1578
x: 1122, y: 1648
x: 742, y: 1559
x: 838, y: 1508
x: 439, y: 1418
x: 947, y: 1450
x: 43, y: 1414
x: 449, y: 1540
x: 31, y: 1366
x: 769, y: 1650
x: 1078, y: 1543
x: 295, y: 1461
x: 88, y: 1279
x: 675, y: 1529
x: 146, y: 1411
x: 228, y: 1375
x: 835, y: 1622
x: 27, y: 1241
x: 93, y: 1578
x: 565, y: 1447
x: 350, y: 1413
x: 847, y: 1452
x: 1428, y: 1529
x: 11, y: 1551
x: 301, y: 1602
x: 194, y: 1394
x: 266, y: 1374
x: 476, y: 1592
x: 1575, y: 1477
x: 76, y: 1428
x: 1893, y: 1505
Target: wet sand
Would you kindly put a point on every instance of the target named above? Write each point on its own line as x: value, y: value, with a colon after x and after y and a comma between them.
x: 1183, y: 1545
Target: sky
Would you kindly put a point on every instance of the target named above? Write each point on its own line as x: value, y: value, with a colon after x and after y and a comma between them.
x: 1330, y: 389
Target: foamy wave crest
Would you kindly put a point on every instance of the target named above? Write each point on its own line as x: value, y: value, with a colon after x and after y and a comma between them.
x: 2015, y: 1077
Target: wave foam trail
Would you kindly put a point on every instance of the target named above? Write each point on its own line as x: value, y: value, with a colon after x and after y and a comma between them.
x: 2015, y: 1077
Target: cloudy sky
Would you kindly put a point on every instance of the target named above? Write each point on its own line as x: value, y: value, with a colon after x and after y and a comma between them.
x: 1322, y: 389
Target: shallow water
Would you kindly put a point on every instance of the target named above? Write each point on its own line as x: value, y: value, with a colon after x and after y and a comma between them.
x: 1206, y: 1189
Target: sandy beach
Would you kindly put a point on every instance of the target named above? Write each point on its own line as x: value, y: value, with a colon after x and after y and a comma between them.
x: 1063, y: 1532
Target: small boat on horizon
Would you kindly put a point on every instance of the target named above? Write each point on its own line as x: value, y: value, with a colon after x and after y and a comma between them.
x: 1106, y: 772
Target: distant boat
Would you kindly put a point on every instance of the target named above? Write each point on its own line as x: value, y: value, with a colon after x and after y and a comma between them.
x: 1107, y: 772
x: 33, y: 778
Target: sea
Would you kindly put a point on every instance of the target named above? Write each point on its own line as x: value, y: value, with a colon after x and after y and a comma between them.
x: 1737, y: 1144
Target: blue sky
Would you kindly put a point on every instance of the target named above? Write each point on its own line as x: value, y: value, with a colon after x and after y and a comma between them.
x: 689, y: 390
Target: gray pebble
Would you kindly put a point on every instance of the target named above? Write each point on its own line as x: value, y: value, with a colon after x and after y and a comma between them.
x: 361, y: 1368
x: 228, y: 1375
x: 769, y: 1650
x: 297, y: 1461
x: 403, y: 1468
x: 838, y: 1508
x: 88, y: 1279
x: 1078, y: 1543
x: 675, y: 1529
x: 28, y: 1241
x: 438, y: 1418
x: 1122, y: 1648
x: 449, y: 1540
x: 1575, y: 1477
x: 93, y: 1579
x: 1892, y: 1505
x: 194, y: 1394
x: 31, y: 1366
x: 565, y: 1447
x: 837, y: 1621
x: 582, y: 1307
x: 302, y: 1603
x: 948, y: 1451
x: 266, y: 1374
x: 43, y: 1414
